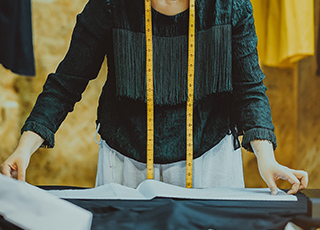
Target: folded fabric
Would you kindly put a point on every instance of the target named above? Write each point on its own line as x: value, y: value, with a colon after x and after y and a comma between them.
x: 29, y: 207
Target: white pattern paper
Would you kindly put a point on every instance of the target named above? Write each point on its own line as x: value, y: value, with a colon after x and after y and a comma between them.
x: 150, y: 189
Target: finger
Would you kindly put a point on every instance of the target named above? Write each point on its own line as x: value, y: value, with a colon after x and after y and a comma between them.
x: 295, y: 183
x: 21, y: 173
x: 6, y: 170
x: 13, y: 171
x: 14, y: 174
x: 273, y: 187
x: 302, y: 177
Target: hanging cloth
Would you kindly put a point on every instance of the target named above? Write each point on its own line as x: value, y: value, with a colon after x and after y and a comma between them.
x: 285, y: 30
x: 16, y: 47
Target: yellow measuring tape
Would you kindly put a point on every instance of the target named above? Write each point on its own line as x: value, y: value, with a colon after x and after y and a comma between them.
x: 149, y: 85
x: 150, y: 90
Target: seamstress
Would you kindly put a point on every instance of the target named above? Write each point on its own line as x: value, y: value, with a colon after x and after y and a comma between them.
x: 229, y: 95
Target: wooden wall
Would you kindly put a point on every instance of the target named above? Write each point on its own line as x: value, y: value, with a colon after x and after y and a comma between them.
x: 294, y: 97
x: 308, y: 138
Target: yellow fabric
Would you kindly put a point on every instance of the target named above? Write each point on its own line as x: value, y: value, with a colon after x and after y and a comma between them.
x: 285, y: 30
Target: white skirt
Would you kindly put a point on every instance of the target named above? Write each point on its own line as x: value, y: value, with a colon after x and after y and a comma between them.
x: 221, y: 166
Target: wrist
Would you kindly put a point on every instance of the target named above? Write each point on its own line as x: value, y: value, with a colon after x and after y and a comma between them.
x: 28, y: 143
x: 263, y: 150
x: 23, y: 151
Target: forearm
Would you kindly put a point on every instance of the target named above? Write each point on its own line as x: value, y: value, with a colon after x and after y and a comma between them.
x: 263, y: 150
x: 29, y: 143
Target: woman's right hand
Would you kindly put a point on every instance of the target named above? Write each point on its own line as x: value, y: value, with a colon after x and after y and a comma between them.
x: 16, y: 164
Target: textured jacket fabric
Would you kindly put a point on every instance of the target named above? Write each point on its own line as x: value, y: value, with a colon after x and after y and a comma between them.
x: 229, y: 91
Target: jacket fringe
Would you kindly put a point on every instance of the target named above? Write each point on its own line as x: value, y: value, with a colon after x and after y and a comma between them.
x: 170, y: 75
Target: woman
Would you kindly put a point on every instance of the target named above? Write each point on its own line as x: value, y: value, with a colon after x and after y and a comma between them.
x: 229, y: 95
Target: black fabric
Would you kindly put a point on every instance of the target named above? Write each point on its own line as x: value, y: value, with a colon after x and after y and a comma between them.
x: 192, y: 214
x: 161, y: 213
x: 16, y: 46
x: 306, y: 223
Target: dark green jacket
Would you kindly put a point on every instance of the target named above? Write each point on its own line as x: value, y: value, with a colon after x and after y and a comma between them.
x: 229, y: 92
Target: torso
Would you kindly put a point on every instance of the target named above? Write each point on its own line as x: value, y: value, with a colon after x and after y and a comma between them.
x: 122, y: 110
x: 170, y: 7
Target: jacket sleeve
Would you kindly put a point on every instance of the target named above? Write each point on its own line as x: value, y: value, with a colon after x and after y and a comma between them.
x: 252, y: 113
x: 82, y: 63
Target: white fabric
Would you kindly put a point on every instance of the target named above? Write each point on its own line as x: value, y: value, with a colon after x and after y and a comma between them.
x: 221, y: 166
x: 29, y: 207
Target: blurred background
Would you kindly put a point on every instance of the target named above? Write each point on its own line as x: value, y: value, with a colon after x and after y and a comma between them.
x: 288, y: 33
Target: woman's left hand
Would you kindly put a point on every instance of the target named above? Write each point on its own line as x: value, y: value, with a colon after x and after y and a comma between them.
x: 271, y: 171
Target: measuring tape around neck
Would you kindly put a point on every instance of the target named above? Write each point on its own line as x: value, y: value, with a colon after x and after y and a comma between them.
x: 150, y: 90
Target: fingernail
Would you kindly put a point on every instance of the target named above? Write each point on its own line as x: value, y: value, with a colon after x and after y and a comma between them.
x: 274, y: 192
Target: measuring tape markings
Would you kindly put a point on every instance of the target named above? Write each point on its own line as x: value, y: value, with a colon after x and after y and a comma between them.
x: 150, y: 91
x: 149, y: 85
x: 189, y: 110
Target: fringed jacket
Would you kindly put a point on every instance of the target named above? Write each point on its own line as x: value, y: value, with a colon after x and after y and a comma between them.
x: 229, y: 95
